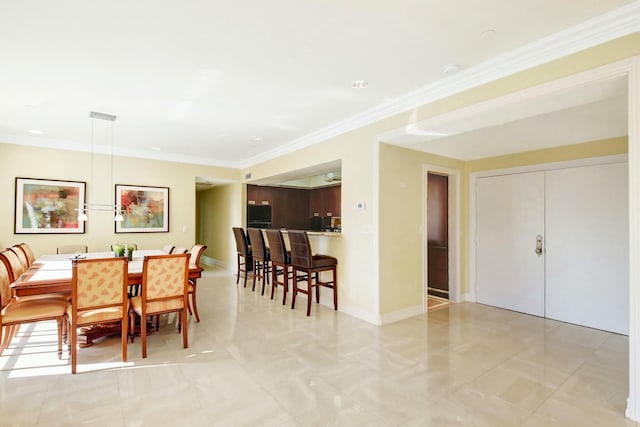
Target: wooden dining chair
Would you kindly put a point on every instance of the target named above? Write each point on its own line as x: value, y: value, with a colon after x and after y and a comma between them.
x: 168, y: 248
x: 13, y: 263
x: 165, y: 281
x: 22, y: 257
x: 14, y: 313
x: 194, y: 262
x: 98, y: 296
x: 72, y: 249
x: 24, y: 247
x: 16, y: 267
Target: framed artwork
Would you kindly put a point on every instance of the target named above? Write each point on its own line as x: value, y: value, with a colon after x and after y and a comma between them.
x: 47, y: 206
x: 145, y: 209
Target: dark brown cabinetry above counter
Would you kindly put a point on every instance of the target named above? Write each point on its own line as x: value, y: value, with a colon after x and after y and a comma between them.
x: 292, y: 207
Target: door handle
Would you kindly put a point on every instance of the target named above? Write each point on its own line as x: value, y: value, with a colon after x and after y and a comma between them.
x: 539, y: 244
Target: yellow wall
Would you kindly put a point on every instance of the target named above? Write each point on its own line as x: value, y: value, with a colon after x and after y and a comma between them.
x: 220, y: 209
x: 585, y: 150
x: 32, y: 162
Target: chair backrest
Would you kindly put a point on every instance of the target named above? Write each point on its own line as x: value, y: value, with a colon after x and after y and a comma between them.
x: 196, y: 253
x: 165, y: 278
x: 277, y: 248
x: 22, y: 257
x: 73, y: 249
x: 28, y: 252
x: 258, y: 248
x: 11, y: 260
x: 5, y: 287
x: 301, y: 255
x: 180, y: 250
x: 98, y: 283
x: 241, y: 241
x: 168, y: 248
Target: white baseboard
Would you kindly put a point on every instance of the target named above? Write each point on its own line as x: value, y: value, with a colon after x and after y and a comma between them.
x: 469, y: 296
x: 405, y: 313
x: 327, y: 301
x: 212, y: 262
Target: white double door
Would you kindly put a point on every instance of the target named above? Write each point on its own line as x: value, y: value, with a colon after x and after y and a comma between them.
x: 555, y: 244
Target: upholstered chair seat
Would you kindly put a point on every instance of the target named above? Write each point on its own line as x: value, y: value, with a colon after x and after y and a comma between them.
x: 15, y: 313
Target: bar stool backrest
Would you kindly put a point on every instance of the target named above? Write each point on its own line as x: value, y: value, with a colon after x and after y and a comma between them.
x: 241, y: 241
x: 258, y: 248
x: 277, y: 248
x: 301, y: 255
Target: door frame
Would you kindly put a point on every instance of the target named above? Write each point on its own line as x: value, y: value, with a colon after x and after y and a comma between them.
x: 454, y: 231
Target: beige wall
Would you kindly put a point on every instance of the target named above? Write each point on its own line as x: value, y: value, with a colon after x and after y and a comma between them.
x: 354, y: 248
x: 379, y: 272
x: 32, y: 162
x: 402, y: 202
x: 396, y: 297
x: 219, y: 209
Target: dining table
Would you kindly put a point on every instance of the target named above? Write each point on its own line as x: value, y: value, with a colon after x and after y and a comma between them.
x: 52, y: 274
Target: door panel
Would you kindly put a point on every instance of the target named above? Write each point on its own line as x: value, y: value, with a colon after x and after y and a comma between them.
x: 509, y: 216
x: 438, y: 235
x: 587, y: 246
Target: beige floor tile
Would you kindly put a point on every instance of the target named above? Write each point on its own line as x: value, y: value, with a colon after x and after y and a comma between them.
x: 252, y: 361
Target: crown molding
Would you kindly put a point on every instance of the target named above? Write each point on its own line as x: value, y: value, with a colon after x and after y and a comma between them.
x: 57, y: 144
x: 598, y: 30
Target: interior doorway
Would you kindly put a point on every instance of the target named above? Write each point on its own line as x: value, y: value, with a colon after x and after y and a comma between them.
x: 437, y: 236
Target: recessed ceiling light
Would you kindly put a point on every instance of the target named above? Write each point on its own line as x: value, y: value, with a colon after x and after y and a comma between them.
x: 451, y: 68
x: 360, y: 84
x: 35, y: 131
x: 155, y: 148
x: 256, y: 138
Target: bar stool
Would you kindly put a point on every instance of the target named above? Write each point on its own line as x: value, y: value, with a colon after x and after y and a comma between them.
x: 245, y: 260
x: 280, y: 262
x: 310, y: 266
x: 261, y: 260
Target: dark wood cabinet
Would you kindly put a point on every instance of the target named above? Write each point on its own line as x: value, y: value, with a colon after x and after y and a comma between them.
x: 325, y: 201
x: 292, y: 207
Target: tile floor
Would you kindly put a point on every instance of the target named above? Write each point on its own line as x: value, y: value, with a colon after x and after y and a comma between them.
x: 253, y: 362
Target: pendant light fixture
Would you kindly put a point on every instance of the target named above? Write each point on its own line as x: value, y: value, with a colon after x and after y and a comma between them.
x: 115, y: 208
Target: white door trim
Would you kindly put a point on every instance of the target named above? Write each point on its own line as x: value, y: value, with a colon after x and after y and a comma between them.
x: 633, y: 402
x: 454, y: 199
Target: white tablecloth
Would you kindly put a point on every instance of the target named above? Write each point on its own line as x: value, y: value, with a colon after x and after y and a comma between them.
x: 58, y: 266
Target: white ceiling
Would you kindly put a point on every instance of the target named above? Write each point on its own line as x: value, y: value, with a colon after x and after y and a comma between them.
x: 231, y: 83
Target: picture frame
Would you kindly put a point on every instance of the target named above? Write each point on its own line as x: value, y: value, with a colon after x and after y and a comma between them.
x: 48, y: 206
x: 145, y: 209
